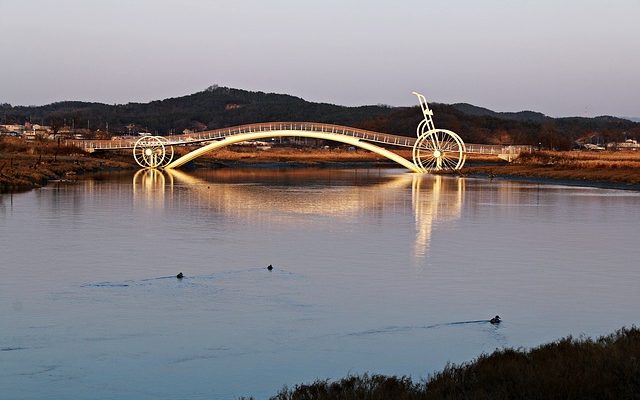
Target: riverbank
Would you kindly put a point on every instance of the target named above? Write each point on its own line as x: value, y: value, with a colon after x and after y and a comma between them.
x: 28, y: 165
x: 239, y: 155
x: 607, y: 169
x: 291, y: 157
x: 605, y: 368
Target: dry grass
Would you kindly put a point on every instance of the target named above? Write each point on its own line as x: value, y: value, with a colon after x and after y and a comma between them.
x: 310, y: 155
x: 289, y: 154
x: 25, y: 165
x: 582, y: 159
x: 618, y: 167
x: 12, y: 145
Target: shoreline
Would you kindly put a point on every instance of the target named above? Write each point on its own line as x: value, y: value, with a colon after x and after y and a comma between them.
x: 25, y: 166
x: 552, y: 181
x: 71, y: 168
x: 611, y: 170
x: 21, y: 173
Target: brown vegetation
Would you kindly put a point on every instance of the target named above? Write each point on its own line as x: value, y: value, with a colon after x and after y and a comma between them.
x: 25, y: 164
x: 615, y: 167
x: 251, y: 155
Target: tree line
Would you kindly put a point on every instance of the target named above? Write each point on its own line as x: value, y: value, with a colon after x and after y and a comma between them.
x: 219, y: 107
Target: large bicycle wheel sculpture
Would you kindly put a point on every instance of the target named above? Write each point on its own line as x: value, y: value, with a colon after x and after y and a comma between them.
x: 436, y: 149
x: 152, y: 152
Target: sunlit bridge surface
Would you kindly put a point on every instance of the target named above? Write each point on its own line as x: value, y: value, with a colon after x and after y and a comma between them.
x: 374, y: 270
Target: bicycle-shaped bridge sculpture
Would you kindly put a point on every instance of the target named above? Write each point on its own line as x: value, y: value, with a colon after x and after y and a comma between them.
x: 433, y: 150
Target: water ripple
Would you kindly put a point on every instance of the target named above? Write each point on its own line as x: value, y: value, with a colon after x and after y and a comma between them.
x: 396, y: 329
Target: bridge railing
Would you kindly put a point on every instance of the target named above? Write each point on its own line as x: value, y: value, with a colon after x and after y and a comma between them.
x: 497, y: 149
x: 218, y: 134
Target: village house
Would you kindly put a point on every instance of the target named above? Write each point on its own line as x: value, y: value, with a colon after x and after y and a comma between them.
x: 35, y: 131
x: 11, y: 129
x: 628, y: 144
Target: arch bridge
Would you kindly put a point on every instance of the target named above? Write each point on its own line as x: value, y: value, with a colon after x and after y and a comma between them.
x: 433, y: 149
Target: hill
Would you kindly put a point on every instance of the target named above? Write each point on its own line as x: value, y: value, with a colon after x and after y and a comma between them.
x: 470, y: 109
x: 218, y: 107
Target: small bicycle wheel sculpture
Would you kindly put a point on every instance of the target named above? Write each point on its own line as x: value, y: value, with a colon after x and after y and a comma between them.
x: 152, y: 152
x: 439, y: 149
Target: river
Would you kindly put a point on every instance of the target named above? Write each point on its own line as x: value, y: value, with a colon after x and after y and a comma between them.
x: 374, y: 270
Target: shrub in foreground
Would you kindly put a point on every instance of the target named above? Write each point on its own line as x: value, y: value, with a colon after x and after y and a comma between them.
x: 605, y: 368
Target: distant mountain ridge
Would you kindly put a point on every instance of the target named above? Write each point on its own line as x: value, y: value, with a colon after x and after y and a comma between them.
x: 218, y: 107
x: 470, y: 109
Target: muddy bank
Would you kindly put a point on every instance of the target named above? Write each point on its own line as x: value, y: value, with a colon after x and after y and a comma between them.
x: 26, y: 165
x: 20, y: 172
x: 617, y: 170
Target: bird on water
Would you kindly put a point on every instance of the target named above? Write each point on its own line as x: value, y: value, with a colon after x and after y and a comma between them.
x: 270, y: 267
x: 495, y: 320
x: 180, y: 275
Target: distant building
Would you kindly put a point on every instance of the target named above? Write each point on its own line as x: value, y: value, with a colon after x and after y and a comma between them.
x: 36, y: 131
x: 629, y: 145
x: 65, y: 130
x: 14, y: 129
x: 590, y: 146
x: 42, y: 128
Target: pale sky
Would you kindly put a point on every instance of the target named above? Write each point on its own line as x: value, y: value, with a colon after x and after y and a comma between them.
x: 562, y: 58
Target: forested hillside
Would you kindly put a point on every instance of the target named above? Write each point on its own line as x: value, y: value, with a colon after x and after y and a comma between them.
x: 218, y: 107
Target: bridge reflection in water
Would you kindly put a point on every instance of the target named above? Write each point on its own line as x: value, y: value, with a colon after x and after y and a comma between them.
x: 435, y: 200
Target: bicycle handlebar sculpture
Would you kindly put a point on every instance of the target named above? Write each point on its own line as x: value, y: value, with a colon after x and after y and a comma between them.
x: 436, y: 149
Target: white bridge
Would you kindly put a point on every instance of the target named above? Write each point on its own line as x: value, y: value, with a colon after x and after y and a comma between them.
x: 433, y: 149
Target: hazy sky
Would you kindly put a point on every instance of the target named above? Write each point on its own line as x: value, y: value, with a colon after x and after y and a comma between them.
x: 574, y: 57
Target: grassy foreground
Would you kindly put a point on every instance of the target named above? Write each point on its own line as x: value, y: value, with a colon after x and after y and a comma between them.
x: 613, y: 167
x: 605, y: 368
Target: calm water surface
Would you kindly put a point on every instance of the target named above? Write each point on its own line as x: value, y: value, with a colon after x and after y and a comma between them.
x: 375, y: 270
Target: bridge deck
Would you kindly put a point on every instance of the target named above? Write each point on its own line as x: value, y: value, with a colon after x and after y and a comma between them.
x: 362, y: 134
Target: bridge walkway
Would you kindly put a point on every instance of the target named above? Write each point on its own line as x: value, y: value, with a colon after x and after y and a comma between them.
x: 219, y: 134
